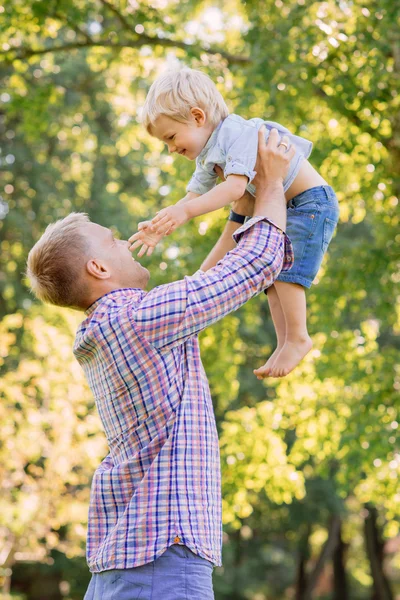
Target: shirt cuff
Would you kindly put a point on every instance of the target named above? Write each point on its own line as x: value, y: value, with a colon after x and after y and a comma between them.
x: 288, y: 251
x: 235, y: 167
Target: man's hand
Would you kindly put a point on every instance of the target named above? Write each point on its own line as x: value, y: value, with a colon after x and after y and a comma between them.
x: 145, y: 237
x: 273, y: 158
x: 168, y: 219
x: 273, y: 161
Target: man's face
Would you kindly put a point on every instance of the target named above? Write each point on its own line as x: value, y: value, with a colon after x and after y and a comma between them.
x: 187, y: 139
x: 125, y: 271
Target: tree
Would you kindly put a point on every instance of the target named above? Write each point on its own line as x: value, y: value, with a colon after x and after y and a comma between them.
x: 300, y: 454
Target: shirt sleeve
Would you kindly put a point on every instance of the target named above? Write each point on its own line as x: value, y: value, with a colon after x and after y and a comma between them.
x: 202, y: 181
x: 241, y: 153
x: 171, y: 313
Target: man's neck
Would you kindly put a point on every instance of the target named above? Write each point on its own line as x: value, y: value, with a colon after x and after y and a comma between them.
x: 104, y: 291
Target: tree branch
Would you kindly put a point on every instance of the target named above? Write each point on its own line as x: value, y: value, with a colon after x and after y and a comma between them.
x: 73, y: 26
x: 119, y: 16
x: 142, y: 40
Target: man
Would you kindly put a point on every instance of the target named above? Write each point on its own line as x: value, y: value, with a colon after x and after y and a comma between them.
x: 154, y: 528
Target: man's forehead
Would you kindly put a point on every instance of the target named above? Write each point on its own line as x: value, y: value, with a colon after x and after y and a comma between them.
x: 94, y: 229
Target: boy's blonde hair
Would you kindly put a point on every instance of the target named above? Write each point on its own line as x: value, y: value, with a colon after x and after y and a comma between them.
x: 54, y: 265
x: 175, y: 92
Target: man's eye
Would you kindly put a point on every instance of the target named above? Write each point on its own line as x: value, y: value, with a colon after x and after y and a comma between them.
x: 171, y: 137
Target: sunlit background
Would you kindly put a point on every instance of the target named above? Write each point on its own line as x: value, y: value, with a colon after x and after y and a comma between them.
x: 310, y: 463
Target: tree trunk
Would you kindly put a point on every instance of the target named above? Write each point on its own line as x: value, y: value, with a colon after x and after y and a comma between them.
x: 326, y: 553
x: 374, y: 546
x: 236, y: 593
x: 340, y: 584
x: 304, y: 553
x: 301, y: 580
x: 6, y: 562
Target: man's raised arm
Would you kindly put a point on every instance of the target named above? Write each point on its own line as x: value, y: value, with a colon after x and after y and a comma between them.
x: 269, y: 185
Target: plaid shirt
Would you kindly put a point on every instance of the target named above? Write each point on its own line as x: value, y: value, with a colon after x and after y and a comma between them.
x: 160, y: 482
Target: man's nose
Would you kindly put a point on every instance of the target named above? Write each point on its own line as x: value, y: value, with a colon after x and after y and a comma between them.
x: 171, y: 148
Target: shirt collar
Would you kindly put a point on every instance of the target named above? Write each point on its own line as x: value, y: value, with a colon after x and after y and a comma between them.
x: 119, y: 293
x: 210, y: 141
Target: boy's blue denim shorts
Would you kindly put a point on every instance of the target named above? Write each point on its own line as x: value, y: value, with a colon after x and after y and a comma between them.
x: 178, y: 574
x: 312, y: 217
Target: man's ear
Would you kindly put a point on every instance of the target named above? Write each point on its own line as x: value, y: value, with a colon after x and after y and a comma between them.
x: 198, y: 115
x: 97, y: 269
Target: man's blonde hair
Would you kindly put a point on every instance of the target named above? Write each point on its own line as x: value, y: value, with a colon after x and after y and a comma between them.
x: 55, y: 263
x: 175, y: 92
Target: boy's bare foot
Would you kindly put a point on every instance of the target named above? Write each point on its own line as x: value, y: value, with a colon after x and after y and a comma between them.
x: 288, y: 357
x: 291, y: 354
x: 266, y: 369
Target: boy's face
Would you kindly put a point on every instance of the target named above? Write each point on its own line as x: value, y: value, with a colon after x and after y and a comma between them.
x: 187, y: 139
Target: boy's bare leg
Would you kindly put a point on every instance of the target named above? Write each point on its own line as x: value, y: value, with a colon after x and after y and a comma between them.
x: 297, y: 343
x: 278, y: 319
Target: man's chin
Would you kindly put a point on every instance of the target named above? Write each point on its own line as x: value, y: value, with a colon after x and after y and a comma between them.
x: 142, y: 277
x: 138, y: 277
x: 147, y: 276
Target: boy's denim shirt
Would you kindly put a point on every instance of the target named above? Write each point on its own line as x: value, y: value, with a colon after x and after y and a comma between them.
x: 233, y: 147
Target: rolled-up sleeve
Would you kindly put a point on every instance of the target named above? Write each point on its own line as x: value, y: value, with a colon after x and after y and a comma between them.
x: 171, y: 313
x: 241, y: 154
x: 202, y: 181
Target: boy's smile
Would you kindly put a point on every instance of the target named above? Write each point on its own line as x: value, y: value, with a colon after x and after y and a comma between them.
x: 187, y: 139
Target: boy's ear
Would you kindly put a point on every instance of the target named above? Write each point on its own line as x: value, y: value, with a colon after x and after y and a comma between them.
x: 198, y: 115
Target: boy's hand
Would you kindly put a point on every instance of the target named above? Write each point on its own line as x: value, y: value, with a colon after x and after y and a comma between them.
x: 145, y: 237
x: 168, y: 219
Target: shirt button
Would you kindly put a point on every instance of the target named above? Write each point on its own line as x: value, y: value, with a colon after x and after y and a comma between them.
x: 177, y: 540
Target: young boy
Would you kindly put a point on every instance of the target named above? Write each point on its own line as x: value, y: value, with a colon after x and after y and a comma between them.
x: 185, y: 110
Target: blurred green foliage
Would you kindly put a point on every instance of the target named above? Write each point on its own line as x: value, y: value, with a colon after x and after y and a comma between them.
x: 296, y: 454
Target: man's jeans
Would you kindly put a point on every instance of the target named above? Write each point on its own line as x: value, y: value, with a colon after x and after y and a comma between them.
x: 178, y: 574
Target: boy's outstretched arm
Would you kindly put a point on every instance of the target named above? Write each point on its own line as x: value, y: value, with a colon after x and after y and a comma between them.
x: 192, y: 205
x: 147, y: 236
x: 189, y: 196
x: 171, y: 217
